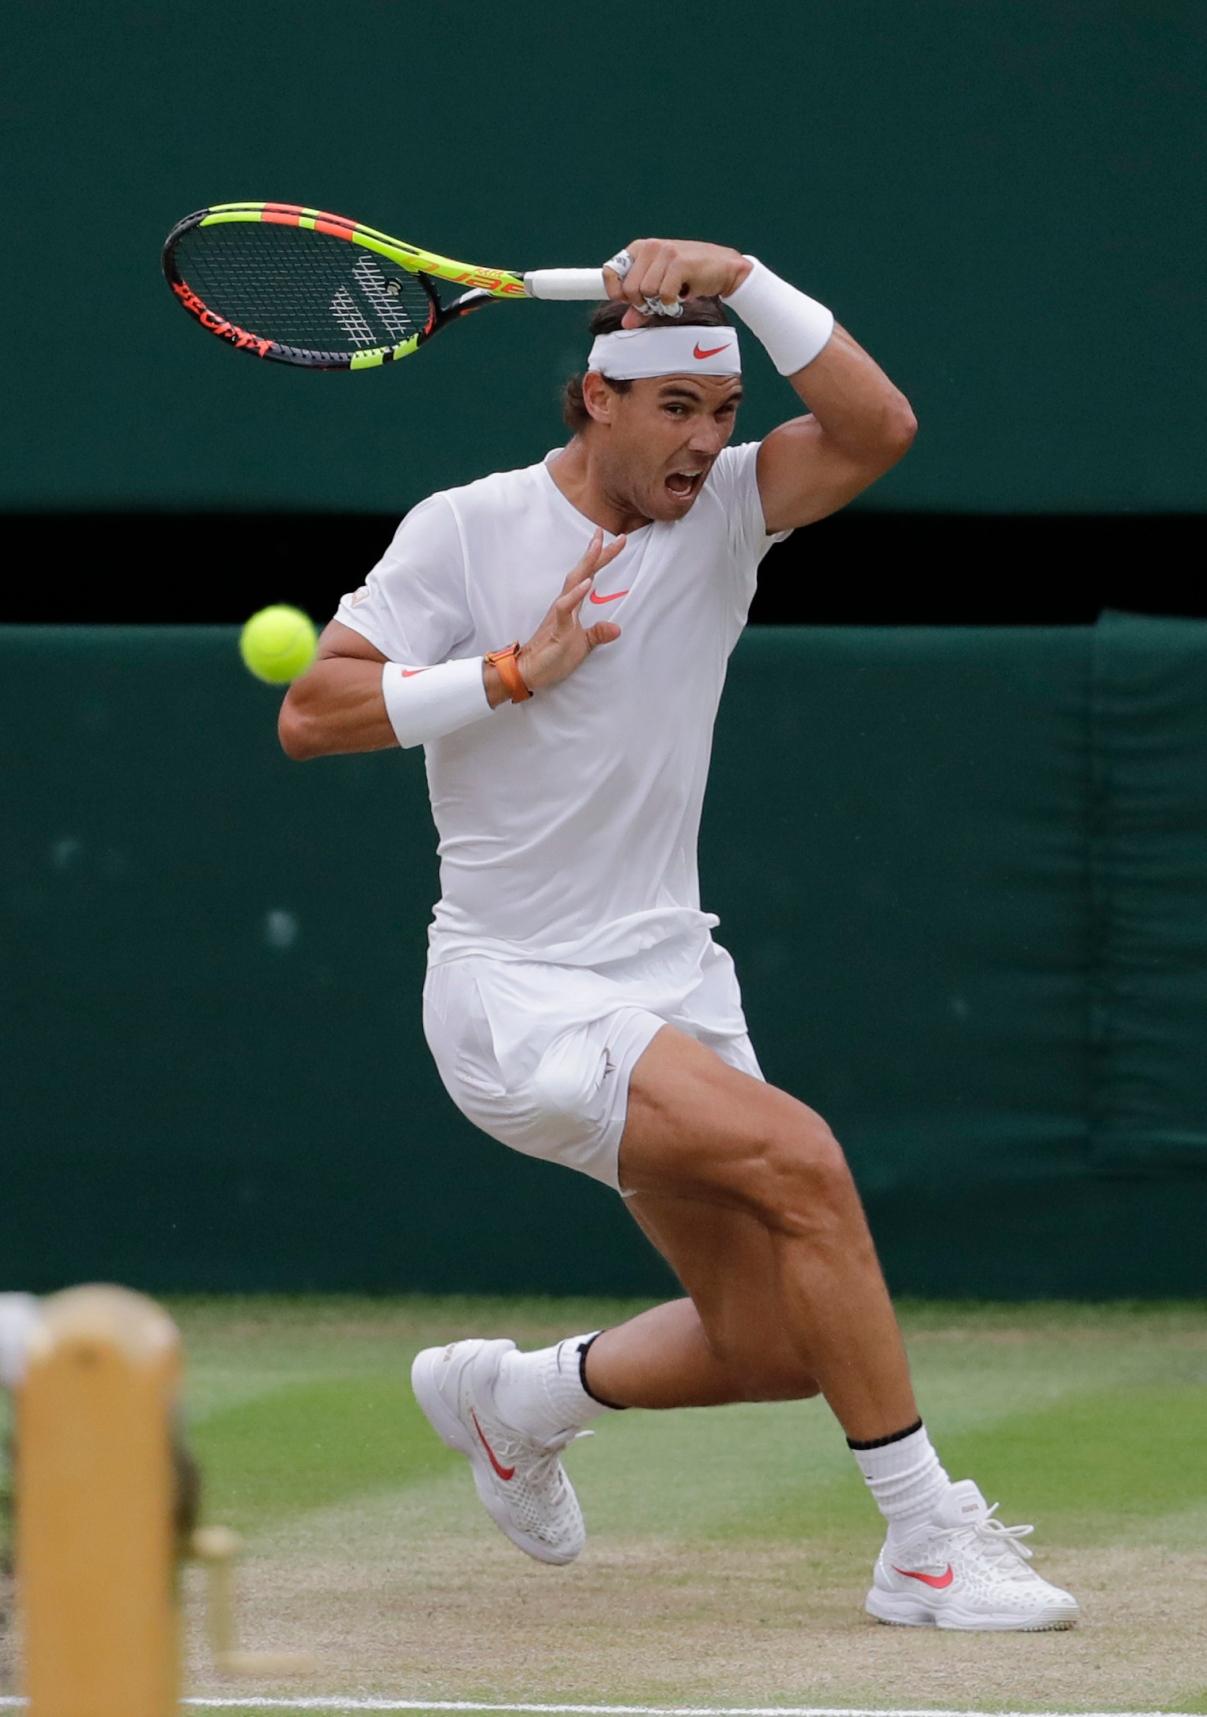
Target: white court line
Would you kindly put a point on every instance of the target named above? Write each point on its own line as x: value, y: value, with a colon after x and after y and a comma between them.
x: 336, y: 1704
x: 339, y: 1705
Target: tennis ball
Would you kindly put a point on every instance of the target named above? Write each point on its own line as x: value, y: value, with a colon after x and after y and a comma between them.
x: 278, y: 644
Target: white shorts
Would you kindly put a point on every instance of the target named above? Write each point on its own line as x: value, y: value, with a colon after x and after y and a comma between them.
x: 539, y: 1056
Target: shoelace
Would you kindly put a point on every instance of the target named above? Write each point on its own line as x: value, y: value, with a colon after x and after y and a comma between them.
x: 549, y: 1456
x: 999, y: 1539
x: 563, y: 1439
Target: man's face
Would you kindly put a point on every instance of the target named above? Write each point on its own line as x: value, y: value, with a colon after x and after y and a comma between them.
x: 664, y: 435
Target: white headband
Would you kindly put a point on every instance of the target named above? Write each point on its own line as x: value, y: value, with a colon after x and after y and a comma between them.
x: 632, y: 353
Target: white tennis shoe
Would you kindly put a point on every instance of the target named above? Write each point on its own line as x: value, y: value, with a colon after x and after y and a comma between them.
x: 519, y: 1479
x: 964, y: 1569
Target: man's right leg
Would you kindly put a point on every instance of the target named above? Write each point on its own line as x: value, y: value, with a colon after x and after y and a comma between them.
x: 700, y: 1131
x: 700, y: 1135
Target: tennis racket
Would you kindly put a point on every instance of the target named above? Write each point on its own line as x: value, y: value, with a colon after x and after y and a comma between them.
x: 301, y: 286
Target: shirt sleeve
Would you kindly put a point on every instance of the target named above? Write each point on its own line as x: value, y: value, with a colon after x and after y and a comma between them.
x: 736, y: 478
x: 413, y: 606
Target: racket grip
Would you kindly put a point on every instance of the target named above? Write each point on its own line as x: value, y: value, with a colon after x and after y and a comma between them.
x: 577, y: 284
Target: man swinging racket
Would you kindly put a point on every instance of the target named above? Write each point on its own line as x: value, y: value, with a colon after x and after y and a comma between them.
x: 556, y: 638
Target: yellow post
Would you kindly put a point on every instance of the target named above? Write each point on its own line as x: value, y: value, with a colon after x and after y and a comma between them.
x: 95, y: 1539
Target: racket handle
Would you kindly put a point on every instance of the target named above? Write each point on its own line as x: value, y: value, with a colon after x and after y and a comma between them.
x: 578, y: 284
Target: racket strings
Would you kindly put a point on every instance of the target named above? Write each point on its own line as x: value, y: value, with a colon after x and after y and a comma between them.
x: 302, y: 288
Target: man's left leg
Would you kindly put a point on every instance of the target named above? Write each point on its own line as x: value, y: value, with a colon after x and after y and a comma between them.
x: 511, y: 1414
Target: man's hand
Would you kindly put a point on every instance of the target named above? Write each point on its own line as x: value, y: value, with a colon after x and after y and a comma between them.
x: 672, y: 268
x: 560, y: 643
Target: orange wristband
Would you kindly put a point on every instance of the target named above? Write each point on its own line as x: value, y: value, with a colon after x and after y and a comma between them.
x: 507, y: 662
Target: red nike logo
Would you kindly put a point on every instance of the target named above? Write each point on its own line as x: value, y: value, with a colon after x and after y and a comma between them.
x: 711, y: 352
x: 940, y: 1582
x: 615, y: 596
x: 409, y: 673
x: 504, y: 1473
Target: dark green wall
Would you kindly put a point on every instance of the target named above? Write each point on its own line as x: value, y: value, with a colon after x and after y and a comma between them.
x: 963, y: 873
x: 1002, y: 200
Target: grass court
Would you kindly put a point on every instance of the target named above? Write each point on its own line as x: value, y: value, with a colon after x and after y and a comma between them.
x: 729, y: 1549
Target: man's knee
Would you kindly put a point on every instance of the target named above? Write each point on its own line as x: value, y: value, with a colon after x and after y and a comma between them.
x: 799, y: 1182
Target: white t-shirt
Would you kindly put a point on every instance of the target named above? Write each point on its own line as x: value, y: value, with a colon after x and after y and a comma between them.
x: 568, y: 823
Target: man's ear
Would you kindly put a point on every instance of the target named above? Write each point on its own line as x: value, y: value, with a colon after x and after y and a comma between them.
x: 598, y: 397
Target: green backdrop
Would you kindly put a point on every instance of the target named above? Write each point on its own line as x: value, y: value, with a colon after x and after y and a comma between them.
x: 965, y: 885
x: 1001, y: 199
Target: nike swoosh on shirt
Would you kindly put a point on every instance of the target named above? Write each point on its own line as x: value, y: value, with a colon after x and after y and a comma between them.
x: 409, y: 673
x: 615, y: 596
x: 940, y: 1582
x: 504, y: 1473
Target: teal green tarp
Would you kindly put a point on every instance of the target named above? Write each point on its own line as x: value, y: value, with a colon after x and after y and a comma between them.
x: 963, y: 875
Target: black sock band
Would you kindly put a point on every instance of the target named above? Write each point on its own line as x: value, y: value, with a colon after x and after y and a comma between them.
x: 583, y: 1349
x: 876, y: 1442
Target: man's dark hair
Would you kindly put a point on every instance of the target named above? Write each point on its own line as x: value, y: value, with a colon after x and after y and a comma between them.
x: 606, y: 319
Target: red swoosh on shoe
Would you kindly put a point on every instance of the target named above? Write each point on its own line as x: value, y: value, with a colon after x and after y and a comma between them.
x: 504, y: 1473
x: 616, y: 594
x: 940, y: 1582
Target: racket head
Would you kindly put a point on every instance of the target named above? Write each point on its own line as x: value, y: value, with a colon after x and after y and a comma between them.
x: 302, y: 286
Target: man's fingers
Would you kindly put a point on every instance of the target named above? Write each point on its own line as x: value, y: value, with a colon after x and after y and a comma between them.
x: 675, y: 284
x: 568, y: 603
x: 644, y: 280
x: 603, y: 632
x: 638, y: 251
x: 612, y: 285
x: 661, y: 277
x: 580, y: 579
x: 574, y: 599
x: 591, y: 550
x: 609, y: 554
x: 660, y: 273
x: 586, y: 565
x: 595, y: 557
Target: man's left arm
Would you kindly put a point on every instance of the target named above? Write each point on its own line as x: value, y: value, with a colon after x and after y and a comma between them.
x: 859, y: 425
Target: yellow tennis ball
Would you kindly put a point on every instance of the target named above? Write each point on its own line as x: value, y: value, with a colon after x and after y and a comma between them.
x: 278, y: 644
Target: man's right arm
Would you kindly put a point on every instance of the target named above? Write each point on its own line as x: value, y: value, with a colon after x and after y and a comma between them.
x: 338, y: 707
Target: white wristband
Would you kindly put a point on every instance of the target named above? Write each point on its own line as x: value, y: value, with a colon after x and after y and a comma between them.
x: 792, y: 326
x: 427, y: 703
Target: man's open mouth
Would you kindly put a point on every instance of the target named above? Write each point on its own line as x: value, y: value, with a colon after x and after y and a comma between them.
x: 684, y: 483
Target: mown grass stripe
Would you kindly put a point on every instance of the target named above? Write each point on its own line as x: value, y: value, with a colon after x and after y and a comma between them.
x: 311, y: 1445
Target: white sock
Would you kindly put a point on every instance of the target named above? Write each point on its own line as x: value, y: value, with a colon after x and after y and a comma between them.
x: 542, y: 1393
x: 905, y: 1478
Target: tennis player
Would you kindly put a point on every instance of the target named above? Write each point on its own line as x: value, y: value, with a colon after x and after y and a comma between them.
x: 556, y: 638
